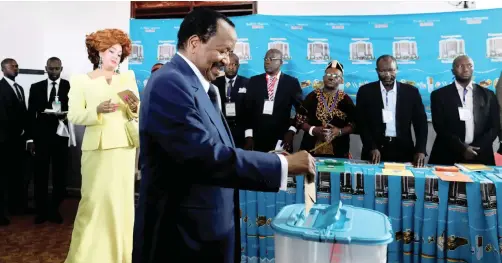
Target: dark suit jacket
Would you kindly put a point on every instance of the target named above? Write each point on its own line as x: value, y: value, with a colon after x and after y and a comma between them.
x: 449, y: 145
x: 267, y: 129
x: 13, y: 116
x: 43, y: 124
x: 192, y: 168
x: 498, y: 91
x: 235, y: 96
x: 235, y: 123
x: 409, y: 110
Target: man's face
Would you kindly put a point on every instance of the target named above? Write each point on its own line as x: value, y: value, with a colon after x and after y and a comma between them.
x: 232, y: 67
x: 11, y: 69
x: 463, y: 69
x: 387, y: 70
x: 213, y: 55
x: 273, y: 62
x: 332, y: 78
x: 54, y: 69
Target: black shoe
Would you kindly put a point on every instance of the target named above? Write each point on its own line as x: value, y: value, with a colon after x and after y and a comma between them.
x: 56, y: 218
x: 40, y: 219
x: 4, y: 221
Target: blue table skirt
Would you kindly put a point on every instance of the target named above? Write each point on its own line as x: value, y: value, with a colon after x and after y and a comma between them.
x: 433, y: 220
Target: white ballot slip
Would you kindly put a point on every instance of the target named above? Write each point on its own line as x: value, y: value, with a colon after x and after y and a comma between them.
x: 310, y: 195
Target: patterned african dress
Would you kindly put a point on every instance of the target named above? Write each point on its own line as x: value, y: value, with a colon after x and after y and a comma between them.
x: 320, y: 108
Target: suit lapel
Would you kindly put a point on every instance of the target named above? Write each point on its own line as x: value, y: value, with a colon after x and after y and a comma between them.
x: 377, y: 96
x: 235, y: 89
x: 454, y: 95
x: 478, y: 102
x: 398, y: 106
x: 46, y: 91
x: 201, y: 95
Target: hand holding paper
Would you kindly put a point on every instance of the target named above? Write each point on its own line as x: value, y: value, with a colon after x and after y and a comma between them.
x: 302, y: 163
x: 130, y: 98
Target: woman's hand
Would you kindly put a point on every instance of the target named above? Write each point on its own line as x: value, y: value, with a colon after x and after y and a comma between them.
x: 107, y: 107
x: 133, y: 104
x: 321, y: 133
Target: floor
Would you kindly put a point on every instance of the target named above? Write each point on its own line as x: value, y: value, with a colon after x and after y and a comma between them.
x: 24, y: 242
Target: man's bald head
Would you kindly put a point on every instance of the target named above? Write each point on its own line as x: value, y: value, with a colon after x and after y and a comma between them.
x: 273, y: 61
x: 274, y: 52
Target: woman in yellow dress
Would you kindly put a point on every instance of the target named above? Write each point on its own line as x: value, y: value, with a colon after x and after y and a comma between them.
x: 103, y: 227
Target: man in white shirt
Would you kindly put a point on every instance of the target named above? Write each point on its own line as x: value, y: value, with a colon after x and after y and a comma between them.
x: 232, y: 88
x: 51, y: 149
x: 269, y: 101
x: 466, y: 119
x: 387, y: 110
x: 191, y: 164
x: 14, y: 140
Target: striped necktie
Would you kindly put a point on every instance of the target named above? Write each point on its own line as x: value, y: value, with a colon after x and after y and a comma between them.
x: 270, y: 87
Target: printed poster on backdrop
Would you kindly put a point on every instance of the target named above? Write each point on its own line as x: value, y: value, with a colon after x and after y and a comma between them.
x: 423, y: 44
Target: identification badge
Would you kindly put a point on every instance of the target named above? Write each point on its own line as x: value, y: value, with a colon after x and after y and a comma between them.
x: 387, y: 116
x: 464, y: 114
x: 230, y: 109
x: 268, y: 107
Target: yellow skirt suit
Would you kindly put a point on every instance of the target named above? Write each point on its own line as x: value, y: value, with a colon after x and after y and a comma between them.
x: 103, y: 227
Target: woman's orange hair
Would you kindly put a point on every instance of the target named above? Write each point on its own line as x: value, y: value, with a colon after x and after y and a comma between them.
x: 102, y: 40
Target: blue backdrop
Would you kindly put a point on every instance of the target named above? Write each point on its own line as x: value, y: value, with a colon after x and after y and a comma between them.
x: 424, y: 44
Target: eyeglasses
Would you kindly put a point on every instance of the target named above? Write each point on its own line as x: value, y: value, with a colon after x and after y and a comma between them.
x: 332, y: 75
x: 271, y: 59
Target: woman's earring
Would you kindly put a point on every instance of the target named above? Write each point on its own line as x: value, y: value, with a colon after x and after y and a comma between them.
x: 100, y: 65
x: 118, y: 69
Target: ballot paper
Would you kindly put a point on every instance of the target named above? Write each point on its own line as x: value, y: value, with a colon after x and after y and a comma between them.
x: 278, y: 146
x: 310, y: 195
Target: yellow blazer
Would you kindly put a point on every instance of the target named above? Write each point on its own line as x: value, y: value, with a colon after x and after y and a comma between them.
x: 104, y: 130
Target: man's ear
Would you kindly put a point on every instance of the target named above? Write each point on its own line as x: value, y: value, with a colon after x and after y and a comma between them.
x: 192, y: 43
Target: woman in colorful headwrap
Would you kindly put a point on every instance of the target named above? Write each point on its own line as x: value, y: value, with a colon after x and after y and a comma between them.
x: 327, y: 117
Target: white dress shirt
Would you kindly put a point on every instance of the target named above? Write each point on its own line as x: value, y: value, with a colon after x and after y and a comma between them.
x: 205, y: 85
x: 249, y: 132
x: 11, y: 83
x: 49, y: 87
x: 467, y: 104
x: 389, y: 102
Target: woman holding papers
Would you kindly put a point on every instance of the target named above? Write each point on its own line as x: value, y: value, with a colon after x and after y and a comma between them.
x: 327, y: 117
x: 105, y: 101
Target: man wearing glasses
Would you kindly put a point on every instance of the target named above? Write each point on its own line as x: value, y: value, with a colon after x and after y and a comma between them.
x: 232, y: 89
x: 268, y: 122
x: 466, y: 119
x: 386, y: 111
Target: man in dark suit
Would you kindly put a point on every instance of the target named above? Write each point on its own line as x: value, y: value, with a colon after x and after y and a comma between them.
x: 232, y: 89
x: 269, y: 100
x: 498, y: 92
x: 14, y: 140
x: 189, y: 156
x: 51, y: 148
x: 466, y: 119
x: 386, y: 110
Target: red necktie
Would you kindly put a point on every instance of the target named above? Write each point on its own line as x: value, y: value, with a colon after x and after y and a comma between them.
x: 270, y: 87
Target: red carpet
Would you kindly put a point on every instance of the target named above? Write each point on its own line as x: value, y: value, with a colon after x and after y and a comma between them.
x: 24, y: 242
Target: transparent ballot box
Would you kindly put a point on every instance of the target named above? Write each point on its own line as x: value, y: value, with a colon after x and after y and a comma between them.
x: 331, y: 233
